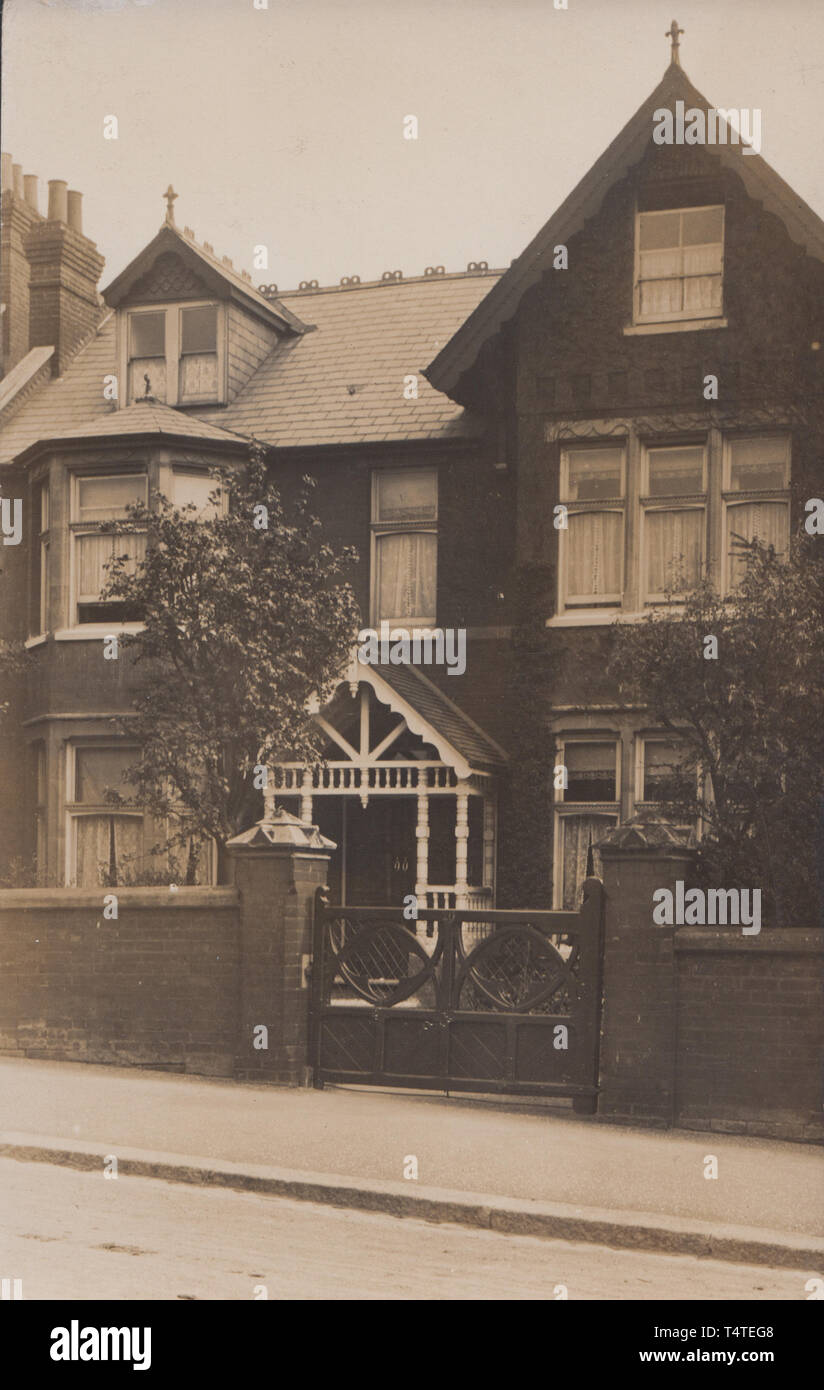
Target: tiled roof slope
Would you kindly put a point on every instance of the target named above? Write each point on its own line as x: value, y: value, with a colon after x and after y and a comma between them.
x: 444, y: 716
x: 369, y: 337
x: 148, y: 417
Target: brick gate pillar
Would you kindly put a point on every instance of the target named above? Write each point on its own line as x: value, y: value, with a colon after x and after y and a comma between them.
x: 637, y: 1072
x: 278, y: 865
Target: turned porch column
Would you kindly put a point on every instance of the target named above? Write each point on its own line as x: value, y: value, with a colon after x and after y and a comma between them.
x: 461, y: 846
x: 489, y: 844
x: 422, y: 836
x: 306, y: 796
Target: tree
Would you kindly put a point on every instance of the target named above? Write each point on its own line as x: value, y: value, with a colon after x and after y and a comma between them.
x: 246, y: 614
x: 751, y: 720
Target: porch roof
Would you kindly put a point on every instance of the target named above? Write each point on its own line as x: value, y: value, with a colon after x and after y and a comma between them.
x: 439, y: 720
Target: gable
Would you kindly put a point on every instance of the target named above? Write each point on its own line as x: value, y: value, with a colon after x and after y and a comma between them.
x: 168, y: 279
x: 450, y: 370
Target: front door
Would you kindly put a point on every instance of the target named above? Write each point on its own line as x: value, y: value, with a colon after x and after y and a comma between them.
x: 380, y: 850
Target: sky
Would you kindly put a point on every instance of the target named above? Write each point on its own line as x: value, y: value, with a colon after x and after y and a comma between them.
x: 284, y: 127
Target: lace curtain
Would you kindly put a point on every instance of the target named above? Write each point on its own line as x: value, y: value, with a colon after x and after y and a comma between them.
x: 576, y: 832
x: 595, y: 542
x: 95, y: 550
x: 673, y: 547
x: 406, y: 568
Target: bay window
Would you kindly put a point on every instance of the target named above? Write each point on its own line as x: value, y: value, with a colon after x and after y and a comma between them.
x: 96, y: 499
x: 405, y: 547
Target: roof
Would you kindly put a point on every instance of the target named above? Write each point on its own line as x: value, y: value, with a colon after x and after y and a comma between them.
x: 459, y: 740
x: 366, y: 336
x: 206, y: 263
x: 22, y: 373
x: 344, y: 382
x: 760, y: 180
x: 147, y: 417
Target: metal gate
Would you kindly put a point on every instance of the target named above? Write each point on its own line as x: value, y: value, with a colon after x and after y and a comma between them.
x: 461, y: 1000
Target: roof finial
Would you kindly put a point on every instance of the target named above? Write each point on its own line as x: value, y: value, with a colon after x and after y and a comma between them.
x: 170, y: 196
x: 672, y: 33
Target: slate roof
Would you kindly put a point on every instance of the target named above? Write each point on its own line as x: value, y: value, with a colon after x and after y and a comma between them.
x: 466, y: 737
x: 369, y: 337
x: 147, y: 417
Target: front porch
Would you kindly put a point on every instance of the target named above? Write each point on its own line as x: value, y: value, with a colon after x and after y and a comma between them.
x: 411, y: 805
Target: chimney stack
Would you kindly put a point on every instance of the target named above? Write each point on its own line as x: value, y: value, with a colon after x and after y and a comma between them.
x: 58, y: 201
x: 20, y: 214
x: 75, y: 207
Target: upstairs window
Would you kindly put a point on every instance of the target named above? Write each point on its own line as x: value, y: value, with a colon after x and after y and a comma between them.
x: 198, y: 353
x: 176, y: 354
x: 96, y: 499
x: 405, y: 547
x: 592, y: 560
x: 679, y: 261
x: 674, y: 507
x: 756, y: 499
x: 147, y: 355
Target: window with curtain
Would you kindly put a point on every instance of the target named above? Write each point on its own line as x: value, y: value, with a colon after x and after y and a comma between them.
x: 147, y: 355
x: 756, y: 467
x: 195, y: 489
x: 674, y: 536
x: 198, y: 353
x: 404, y: 528
x: 99, y: 499
x: 592, y: 546
x: 679, y: 264
x: 586, y: 809
x: 106, y: 844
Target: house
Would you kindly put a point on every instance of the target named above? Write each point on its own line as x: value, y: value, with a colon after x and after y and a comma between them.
x: 527, y: 455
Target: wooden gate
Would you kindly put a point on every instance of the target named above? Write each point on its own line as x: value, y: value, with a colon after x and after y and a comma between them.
x: 460, y: 1001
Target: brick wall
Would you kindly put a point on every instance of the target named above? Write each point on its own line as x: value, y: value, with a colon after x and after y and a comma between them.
x: 706, y: 1028
x: 18, y: 218
x: 750, y: 1020
x: 159, y: 986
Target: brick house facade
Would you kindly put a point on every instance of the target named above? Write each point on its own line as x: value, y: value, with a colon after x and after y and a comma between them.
x: 446, y: 418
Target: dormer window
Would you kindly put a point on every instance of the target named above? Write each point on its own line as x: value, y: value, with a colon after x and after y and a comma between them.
x: 176, y: 354
x: 679, y: 258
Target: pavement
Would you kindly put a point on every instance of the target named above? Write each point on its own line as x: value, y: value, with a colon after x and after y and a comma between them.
x: 516, y: 1168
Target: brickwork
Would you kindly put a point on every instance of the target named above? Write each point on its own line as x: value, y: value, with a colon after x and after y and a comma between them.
x: 157, y: 987
x: 64, y: 306
x: 18, y: 218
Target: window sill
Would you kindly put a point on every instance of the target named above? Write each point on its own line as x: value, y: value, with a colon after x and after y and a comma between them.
x: 36, y: 641
x: 584, y: 619
x: 95, y: 632
x: 632, y: 330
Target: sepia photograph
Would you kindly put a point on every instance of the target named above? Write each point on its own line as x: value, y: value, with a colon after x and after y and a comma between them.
x: 411, y: 668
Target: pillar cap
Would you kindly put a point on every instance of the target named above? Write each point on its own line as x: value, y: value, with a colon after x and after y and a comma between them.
x: 280, y: 828
x: 644, y: 832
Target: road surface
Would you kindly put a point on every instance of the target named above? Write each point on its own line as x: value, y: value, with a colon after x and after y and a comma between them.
x: 78, y: 1235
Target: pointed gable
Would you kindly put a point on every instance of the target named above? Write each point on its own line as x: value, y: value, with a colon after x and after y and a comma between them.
x: 627, y: 150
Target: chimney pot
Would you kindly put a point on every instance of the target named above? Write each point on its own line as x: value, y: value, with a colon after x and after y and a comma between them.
x: 58, y: 201
x: 75, y: 210
x: 30, y: 182
x: 7, y: 175
x: 17, y: 174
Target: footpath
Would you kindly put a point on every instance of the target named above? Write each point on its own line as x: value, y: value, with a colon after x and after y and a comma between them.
x: 510, y: 1167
